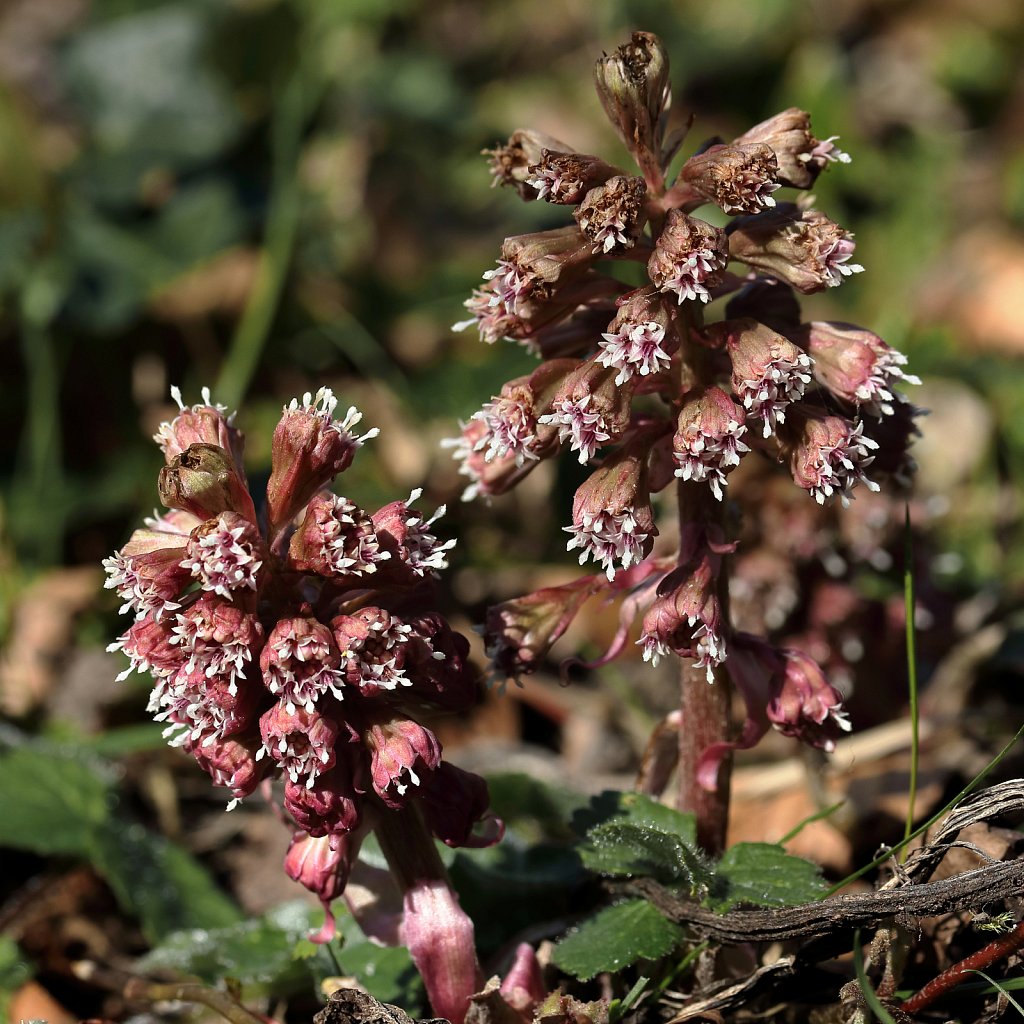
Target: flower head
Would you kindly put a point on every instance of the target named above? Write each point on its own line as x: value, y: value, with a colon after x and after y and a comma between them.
x: 801, y: 157
x: 738, y: 178
x: 688, y: 258
x: 828, y: 456
x: 707, y: 441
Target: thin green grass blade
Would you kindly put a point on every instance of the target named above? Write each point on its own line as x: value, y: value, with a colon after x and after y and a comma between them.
x: 825, y: 812
x: 996, y: 985
x: 870, y: 995
x: 911, y: 631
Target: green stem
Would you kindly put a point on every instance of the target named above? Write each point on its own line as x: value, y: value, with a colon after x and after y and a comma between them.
x: 253, y: 329
x: 911, y: 633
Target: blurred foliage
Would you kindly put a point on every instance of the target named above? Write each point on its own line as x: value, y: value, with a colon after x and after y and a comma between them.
x: 271, y: 194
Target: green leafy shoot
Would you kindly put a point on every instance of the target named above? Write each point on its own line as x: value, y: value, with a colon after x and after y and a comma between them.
x: 1002, y: 989
x: 618, y: 1007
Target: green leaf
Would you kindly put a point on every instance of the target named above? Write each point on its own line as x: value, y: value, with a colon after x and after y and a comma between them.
x: 387, y: 973
x: 765, y: 875
x: 258, y: 953
x: 616, y: 938
x: 15, y: 970
x: 635, y: 809
x: 622, y: 848
x: 51, y: 801
x: 160, y: 883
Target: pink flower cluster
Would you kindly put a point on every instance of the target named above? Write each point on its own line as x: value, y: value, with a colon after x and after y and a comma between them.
x: 300, y: 643
x: 644, y: 386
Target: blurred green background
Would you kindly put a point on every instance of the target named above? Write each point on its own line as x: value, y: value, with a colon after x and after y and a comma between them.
x: 267, y: 195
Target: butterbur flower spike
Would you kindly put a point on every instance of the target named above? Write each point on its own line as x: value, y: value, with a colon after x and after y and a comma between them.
x: 272, y: 651
x: 650, y: 389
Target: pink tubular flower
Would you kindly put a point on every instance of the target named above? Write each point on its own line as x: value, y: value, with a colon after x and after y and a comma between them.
x: 801, y: 247
x: 769, y: 372
x: 204, y: 423
x: 519, y: 633
x: 409, y: 536
x: 612, y: 215
x: 336, y: 538
x: 589, y: 409
x: 856, y: 365
x: 402, y: 754
x: 805, y: 705
x: 300, y: 741
x: 201, y: 709
x: 327, y: 804
x: 707, y: 442
x: 231, y: 763
x: 738, y: 178
x: 149, y: 646
x: 688, y: 257
x: 373, y: 645
x: 686, y: 618
x: 147, y: 573
x: 300, y: 662
x: 612, y: 519
x: 511, y: 425
x: 310, y: 448
x: 801, y: 157
x: 486, y: 477
x: 217, y: 637
x: 635, y: 342
x: 829, y: 455
x: 225, y: 554
x: 565, y: 177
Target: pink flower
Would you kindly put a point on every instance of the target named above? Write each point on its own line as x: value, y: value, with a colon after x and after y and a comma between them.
x: 612, y: 519
x: 225, y: 554
x: 402, y: 754
x: 686, y: 618
x: 204, y: 423
x: 310, y: 448
x: 454, y: 802
x: 707, y: 442
x: 829, y: 456
x: 336, y: 538
x: 410, y: 538
x: 769, y: 372
x: 300, y: 741
x: 231, y: 763
x: 300, y: 662
x: 323, y: 864
x: 329, y: 803
x: 373, y: 645
x: 805, y: 705
x: 856, y: 365
x: 800, y: 155
x: 688, y: 258
x: 738, y: 178
x: 217, y: 637
x: 612, y: 215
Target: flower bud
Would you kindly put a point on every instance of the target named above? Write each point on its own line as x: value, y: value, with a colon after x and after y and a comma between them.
x: 225, y: 554
x: 707, y: 441
x: 204, y: 423
x: 531, y: 264
x: 805, y: 705
x: 523, y: 987
x: 149, y: 646
x: 769, y: 372
x: 322, y: 864
x: 689, y: 257
x: 512, y: 164
x: 565, y: 178
x: 519, y: 633
x: 335, y: 538
x: 636, y: 341
x: 205, y: 481
x: 686, y: 617
x: 801, y: 247
x: 300, y: 741
x: 612, y: 215
x: 231, y: 763
x: 310, y: 448
x: 454, y: 802
x: 634, y: 89
x: 828, y: 456
x: 855, y: 365
x: 328, y: 806
x: 801, y: 157
x: 589, y: 409
x: 438, y: 666
x: 613, y: 522
x: 402, y: 753
x: 301, y: 662
x: 738, y: 178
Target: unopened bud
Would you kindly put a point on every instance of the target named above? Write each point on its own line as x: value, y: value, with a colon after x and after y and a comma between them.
x: 634, y: 89
x: 205, y: 481
x: 204, y: 423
